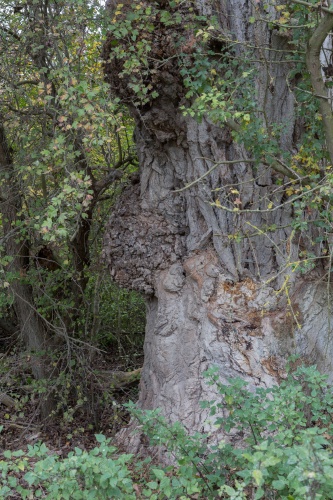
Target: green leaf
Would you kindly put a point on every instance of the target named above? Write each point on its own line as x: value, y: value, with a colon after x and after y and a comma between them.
x: 279, y: 484
x: 158, y: 473
x: 257, y: 475
x: 100, y: 438
x: 152, y: 485
x: 30, y: 478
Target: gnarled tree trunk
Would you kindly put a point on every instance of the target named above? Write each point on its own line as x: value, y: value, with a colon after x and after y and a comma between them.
x: 219, y: 282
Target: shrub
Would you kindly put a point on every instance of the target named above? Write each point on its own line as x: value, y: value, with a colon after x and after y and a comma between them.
x: 278, y: 445
x: 96, y: 475
x: 285, y: 434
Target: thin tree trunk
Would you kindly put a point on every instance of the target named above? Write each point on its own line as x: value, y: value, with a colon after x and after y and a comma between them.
x: 34, y: 335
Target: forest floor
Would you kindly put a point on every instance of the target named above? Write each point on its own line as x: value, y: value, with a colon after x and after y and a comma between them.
x: 76, y: 423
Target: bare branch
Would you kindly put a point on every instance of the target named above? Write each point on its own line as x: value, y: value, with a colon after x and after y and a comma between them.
x: 10, y: 32
x: 317, y: 6
x: 242, y: 160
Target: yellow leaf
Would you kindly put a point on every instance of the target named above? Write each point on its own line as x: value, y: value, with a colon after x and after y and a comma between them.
x: 218, y: 203
x: 257, y: 475
x: 270, y: 205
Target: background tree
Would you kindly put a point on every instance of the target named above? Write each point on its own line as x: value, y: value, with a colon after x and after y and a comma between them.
x: 228, y: 234
x: 65, y: 150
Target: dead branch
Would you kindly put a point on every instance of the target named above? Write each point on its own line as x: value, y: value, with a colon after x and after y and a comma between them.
x: 118, y: 379
x: 7, y: 400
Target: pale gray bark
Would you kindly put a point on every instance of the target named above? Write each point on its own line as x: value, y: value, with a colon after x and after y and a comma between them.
x: 211, y: 300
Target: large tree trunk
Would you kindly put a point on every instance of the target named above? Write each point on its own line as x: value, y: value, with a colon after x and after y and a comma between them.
x: 213, y: 298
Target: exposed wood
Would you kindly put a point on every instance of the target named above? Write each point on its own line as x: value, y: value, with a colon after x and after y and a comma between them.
x: 7, y: 400
x: 115, y: 380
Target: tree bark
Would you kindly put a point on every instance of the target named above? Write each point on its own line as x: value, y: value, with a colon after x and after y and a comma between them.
x: 219, y: 284
x: 31, y: 326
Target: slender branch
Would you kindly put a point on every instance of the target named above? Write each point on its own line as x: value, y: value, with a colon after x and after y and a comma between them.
x: 250, y: 46
x: 262, y: 210
x: 317, y: 6
x: 276, y: 164
x: 27, y: 82
x: 283, y: 169
x: 211, y: 170
x: 10, y: 32
x: 30, y: 112
x: 314, y: 66
x: 314, y: 95
x: 113, y: 174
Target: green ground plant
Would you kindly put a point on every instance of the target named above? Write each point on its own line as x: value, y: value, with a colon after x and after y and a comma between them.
x: 277, y: 444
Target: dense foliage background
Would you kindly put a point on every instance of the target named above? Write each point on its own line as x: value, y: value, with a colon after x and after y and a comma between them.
x: 67, y: 151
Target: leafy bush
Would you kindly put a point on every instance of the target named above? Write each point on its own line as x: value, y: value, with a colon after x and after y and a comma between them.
x: 278, y: 445
x: 82, y: 475
x: 285, y: 435
x: 288, y: 431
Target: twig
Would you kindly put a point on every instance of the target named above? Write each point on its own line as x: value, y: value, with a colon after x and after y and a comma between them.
x: 229, y: 162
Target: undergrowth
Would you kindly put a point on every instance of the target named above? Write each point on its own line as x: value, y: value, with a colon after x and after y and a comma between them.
x: 277, y: 444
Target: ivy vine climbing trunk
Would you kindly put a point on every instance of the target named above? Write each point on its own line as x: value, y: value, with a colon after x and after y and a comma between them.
x: 214, y: 260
